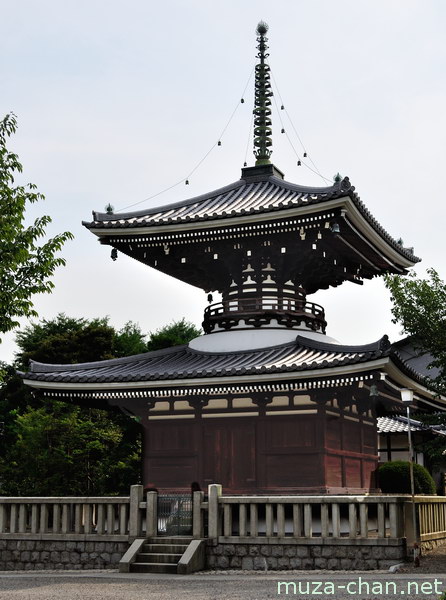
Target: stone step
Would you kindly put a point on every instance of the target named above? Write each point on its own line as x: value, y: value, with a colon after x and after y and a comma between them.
x: 137, y: 567
x: 164, y: 539
x: 164, y: 548
x: 148, y: 557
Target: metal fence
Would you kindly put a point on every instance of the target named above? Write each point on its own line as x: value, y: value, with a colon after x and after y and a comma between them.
x: 175, y: 514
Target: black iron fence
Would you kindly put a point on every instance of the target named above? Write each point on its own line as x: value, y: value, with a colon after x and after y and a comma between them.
x: 175, y: 513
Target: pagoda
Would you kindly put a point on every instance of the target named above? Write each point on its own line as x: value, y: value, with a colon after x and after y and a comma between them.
x: 264, y: 401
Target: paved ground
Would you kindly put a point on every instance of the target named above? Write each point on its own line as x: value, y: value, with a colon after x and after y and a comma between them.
x: 106, y: 585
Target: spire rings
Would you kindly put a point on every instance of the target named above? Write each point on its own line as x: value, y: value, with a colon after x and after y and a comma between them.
x: 262, y: 102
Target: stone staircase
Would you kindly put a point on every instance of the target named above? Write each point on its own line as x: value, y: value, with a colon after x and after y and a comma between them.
x: 160, y: 555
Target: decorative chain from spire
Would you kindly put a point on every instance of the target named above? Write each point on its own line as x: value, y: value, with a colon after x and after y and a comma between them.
x: 262, y: 102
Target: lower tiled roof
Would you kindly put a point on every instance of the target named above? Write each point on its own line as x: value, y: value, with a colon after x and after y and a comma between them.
x: 399, y: 424
x: 182, y: 362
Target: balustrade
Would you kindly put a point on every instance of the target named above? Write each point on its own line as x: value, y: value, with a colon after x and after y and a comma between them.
x: 357, y: 517
x: 68, y: 516
x: 292, y: 310
x: 228, y: 518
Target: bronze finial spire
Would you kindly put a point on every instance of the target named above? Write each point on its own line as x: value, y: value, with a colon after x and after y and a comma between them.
x: 262, y: 103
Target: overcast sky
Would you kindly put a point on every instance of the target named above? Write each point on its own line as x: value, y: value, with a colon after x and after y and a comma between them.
x: 118, y: 101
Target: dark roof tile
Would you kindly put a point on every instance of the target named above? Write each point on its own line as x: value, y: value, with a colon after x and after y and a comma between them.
x: 184, y: 362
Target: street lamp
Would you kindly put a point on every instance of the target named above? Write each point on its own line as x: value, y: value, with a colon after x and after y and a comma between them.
x: 407, y: 398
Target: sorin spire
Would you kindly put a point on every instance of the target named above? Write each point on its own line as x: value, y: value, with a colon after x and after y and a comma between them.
x: 262, y: 102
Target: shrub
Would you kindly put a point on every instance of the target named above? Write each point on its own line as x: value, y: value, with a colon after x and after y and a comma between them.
x: 394, y: 478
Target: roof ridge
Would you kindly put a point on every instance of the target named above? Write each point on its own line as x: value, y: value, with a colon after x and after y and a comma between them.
x: 165, y: 207
x: 382, y: 345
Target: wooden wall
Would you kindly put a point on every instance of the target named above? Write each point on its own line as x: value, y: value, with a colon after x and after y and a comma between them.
x: 306, y: 453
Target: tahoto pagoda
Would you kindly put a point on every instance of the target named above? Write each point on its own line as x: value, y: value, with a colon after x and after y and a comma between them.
x: 264, y: 401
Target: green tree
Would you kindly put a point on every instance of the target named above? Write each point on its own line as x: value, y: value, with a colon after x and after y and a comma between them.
x: 419, y: 306
x: 61, y: 449
x: 175, y: 334
x: 26, y: 267
x: 67, y: 340
x: 51, y: 447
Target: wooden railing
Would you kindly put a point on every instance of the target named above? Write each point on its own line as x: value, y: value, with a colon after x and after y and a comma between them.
x: 431, y: 517
x: 283, y: 308
x: 258, y: 305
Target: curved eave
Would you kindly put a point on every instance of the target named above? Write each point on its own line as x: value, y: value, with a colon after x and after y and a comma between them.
x: 404, y: 379
x: 385, y: 245
x: 260, y: 377
x: 397, y: 375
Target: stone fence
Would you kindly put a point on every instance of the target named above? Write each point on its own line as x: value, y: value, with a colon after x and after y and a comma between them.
x: 242, y: 531
x: 67, y: 532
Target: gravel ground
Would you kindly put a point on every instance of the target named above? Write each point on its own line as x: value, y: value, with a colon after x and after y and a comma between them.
x: 107, y: 585
x: 433, y: 562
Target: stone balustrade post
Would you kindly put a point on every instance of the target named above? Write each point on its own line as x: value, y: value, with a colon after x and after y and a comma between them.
x: 409, y: 529
x: 197, y: 515
x: 136, y: 496
x: 214, y: 492
x: 152, y: 514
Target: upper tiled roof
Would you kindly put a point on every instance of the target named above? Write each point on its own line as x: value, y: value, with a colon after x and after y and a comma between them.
x: 239, y: 198
x: 183, y: 362
x: 248, y: 196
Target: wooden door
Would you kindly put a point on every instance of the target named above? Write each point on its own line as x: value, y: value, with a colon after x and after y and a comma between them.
x: 229, y: 454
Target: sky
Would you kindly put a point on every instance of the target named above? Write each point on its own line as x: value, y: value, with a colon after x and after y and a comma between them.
x: 118, y: 101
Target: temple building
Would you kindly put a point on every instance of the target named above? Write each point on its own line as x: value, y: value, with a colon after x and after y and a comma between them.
x: 264, y: 401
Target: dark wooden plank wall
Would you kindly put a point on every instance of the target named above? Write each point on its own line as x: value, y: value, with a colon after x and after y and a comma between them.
x: 302, y: 453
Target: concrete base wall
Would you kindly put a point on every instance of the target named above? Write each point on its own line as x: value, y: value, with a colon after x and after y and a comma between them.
x: 347, y: 556
x: 17, y: 555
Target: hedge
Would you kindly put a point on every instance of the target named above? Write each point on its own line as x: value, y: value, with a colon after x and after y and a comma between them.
x: 394, y: 478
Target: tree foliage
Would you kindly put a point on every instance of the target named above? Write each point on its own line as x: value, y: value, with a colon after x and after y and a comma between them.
x: 26, y: 267
x: 65, y: 340
x: 50, y: 447
x: 175, y: 334
x: 419, y: 306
